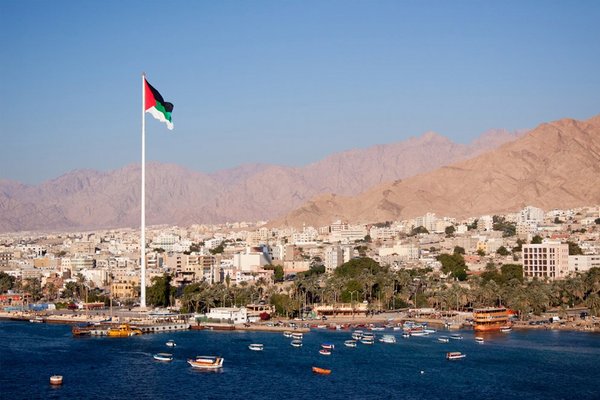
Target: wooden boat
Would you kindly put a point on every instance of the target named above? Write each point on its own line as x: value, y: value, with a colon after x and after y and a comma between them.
x: 328, y: 346
x: 321, y: 371
x: 123, y: 330
x: 163, y: 357
x: 171, y: 343
x: 325, y: 352
x: 297, y: 343
x: 256, y: 347
x: 56, y: 380
x: 479, y: 339
x: 350, y: 343
x: 206, y: 362
x: 455, y: 355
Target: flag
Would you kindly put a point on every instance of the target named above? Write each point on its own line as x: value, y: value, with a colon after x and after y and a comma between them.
x: 157, y: 106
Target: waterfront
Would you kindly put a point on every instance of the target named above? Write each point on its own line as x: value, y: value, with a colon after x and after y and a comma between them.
x: 533, y: 364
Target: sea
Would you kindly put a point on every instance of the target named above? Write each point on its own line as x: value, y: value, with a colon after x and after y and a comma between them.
x: 529, y: 364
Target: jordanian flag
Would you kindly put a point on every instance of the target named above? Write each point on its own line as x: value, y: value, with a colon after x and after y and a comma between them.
x: 157, y: 106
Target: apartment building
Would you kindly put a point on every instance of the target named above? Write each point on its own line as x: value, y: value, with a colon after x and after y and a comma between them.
x: 546, y: 260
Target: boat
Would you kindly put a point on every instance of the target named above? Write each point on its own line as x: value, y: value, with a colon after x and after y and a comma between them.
x: 376, y: 328
x: 357, y: 335
x: 350, y: 343
x: 297, y: 343
x: 490, y: 319
x: 455, y: 355
x: 256, y: 347
x: 163, y: 357
x: 406, y: 335
x: 287, y: 334
x: 56, y: 380
x: 123, y: 330
x: 418, y: 332
x: 171, y: 343
x: 297, y: 336
x: 328, y: 346
x: 325, y: 352
x: 443, y: 339
x: 206, y: 362
x: 506, y: 329
x: 429, y: 331
x: 456, y: 336
x: 321, y: 371
x: 479, y: 339
x: 388, y: 339
x: 367, y: 340
x: 37, y: 320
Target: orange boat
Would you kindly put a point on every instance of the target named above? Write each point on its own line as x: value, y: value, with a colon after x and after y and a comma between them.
x: 490, y: 319
x: 321, y: 371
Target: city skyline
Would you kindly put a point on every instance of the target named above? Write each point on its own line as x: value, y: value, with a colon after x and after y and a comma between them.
x: 265, y: 82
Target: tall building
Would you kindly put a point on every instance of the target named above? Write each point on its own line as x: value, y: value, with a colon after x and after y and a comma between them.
x: 546, y: 260
x: 334, y: 257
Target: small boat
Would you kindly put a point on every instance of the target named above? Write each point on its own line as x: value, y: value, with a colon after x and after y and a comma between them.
x: 328, y: 346
x: 321, y: 371
x: 456, y: 336
x: 377, y: 328
x: 287, y: 334
x: 56, y: 380
x: 256, y: 347
x: 455, y: 355
x: 479, y: 339
x: 367, y: 340
x: 443, y: 339
x: 429, y: 331
x: 350, y: 343
x: 388, y: 339
x: 123, y: 330
x: 325, y: 352
x: 297, y: 336
x: 357, y: 335
x: 321, y: 326
x: 171, y: 343
x: 163, y: 357
x: 206, y: 362
x: 297, y: 343
x: 406, y: 335
x: 37, y: 320
x: 505, y: 329
x: 418, y: 333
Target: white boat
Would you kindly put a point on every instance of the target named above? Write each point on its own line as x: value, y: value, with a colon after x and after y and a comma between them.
x: 206, y: 362
x: 357, y: 335
x: 397, y: 328
x: 297, y: 343
x: 163, y: 357
x: 256, y: 347
x: 443, y: 339
x: 479, y: 339
x: 406, y: 335
x: 171, y: 343
x: 429, y: 331
x: 297, y: 336
x: 377, y: 328
x: 56, y: 380
x: 287, y: 334
x: 367, y: 340
x: 350, y: 343
x: 388, y: 339
x: 418, y: 333
x: 456, y: 336
x: 455, y: 355
x: 328, y: 346
x: 506, y: 329
x: 325, y: 352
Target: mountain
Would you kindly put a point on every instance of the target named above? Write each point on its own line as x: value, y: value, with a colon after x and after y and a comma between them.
x: 556, y: 165
x: 87, y: 199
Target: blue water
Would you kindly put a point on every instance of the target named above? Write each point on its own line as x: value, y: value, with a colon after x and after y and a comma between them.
x: 521, y: 364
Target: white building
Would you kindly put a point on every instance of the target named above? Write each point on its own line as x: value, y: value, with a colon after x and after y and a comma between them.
x: 252, y: 259
x: 583, y: 263
x: 229, y: 314
x: 546, y: 260
x: 531, y: 213
x: 334, y: 257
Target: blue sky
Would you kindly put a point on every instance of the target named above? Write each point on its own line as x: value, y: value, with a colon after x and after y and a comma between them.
x: 285, y: 82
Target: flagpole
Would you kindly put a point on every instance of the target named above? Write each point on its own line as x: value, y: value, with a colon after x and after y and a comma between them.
x: 143, y: 213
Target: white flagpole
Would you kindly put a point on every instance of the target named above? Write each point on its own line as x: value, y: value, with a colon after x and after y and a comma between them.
x: 143, y: 216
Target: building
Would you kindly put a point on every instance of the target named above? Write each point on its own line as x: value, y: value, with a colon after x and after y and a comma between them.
x: 229, y: 314
x: 333, y: 258
x: 546, y: 260
x: 583, y: 263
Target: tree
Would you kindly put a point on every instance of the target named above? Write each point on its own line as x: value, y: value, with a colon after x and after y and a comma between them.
x: 480, y: 252
x: 217, y: 250
x: 453, y: 264
x: 458, y: 250
x: 537, y: 239
x: 159, y: 294
x: 419, y: 229
x: 7, y: 282
x: 502, y: 251
x: 574, y: 249
x: 519, y: 246
x: 557, y: 220
x: 368, y: 238
x: 449, y: 231
x: 597, y: 221
x: 512, y: 271
x: 34, y: 288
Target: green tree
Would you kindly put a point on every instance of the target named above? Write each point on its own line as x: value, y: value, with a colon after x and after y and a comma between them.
x: 480, y: 252
x: 512, y: 271
x: 537, y: 239
x: 34, y: 288
x: 597, y: 221
x: 7, y: 282
x: 449, y: 231
x: 454, y: 265
x: 368, y: 238
x: 354, y: 267
x: 519, y: 246
x: 502, y: 251
x: 416, y: 230
x: 217, y: 250
x: 574, y: 249
x: 159, y: 294
x: 458, y: 250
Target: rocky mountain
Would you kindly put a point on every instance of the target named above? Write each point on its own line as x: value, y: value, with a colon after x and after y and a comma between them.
x: 86, y: 199
x: 556, y: 165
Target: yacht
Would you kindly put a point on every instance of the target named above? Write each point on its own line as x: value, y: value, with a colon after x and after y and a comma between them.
x: 206, y: 362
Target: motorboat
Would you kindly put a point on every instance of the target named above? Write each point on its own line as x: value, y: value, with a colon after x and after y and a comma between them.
x: 325, y: 352
x: 321, y: 371
x: 297, y: 343
x: 206, y: 362
x: 357, y: 335
x: 123, y: 330
x: 479, y: 339
x: 171, y: 343
x: 456, y: 336
x: 455, y: 355
x: 328, y: 346
x: 256, y: 347
x: 56, y: 380
x: 166, y: 357
x: 350, y: 343
x: 443, y: 339
x: 37, y: 319
x: 297, y: 336
x: 406, y: 335
x: 506, y: 329
x: 388, y: 339
x: 367, y: 340
x: 287, y: 334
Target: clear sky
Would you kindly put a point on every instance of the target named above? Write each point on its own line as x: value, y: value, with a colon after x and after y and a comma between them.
x: 285, y: 82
